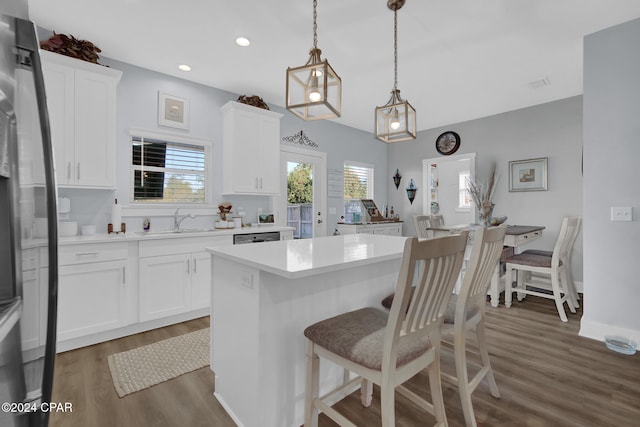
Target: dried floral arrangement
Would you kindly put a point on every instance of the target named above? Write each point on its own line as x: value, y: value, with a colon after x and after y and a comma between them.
x: 482, y: 195
x: 254, y: 101
x: 73, y: 47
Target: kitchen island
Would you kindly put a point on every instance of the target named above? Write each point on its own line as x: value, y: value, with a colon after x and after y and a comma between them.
x: 264, y: 296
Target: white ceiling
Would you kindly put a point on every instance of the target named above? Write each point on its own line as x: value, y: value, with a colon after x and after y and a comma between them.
x: 457, y: 59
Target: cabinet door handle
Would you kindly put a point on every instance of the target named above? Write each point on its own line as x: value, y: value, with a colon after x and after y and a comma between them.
x: 68, y: 170
x: 124, y: 275
x: 257, y: 183
x: 78, y: 174
x: 261, y: 183
x: 188, y: 267
x: 87, y: 253
x: 195, y: 265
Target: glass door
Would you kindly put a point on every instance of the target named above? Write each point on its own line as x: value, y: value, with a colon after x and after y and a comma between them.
x: 303, y: 202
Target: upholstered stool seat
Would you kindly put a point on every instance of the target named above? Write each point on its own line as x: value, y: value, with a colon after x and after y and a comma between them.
x: 531, y: 259
x: 358, y: 336
x: 538, y: 252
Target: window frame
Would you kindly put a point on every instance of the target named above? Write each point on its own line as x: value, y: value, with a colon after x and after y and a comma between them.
x: 370, y: 184
x: 171, y: 138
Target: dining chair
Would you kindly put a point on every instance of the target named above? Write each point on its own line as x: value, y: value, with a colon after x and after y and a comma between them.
x: 556, y: 266
x: 422, y: 225
x: 568, y: 276
x: 387, y: 348
x: 465, y: 313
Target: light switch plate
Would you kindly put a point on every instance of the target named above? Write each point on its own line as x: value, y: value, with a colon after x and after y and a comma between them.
x: 621, y: 213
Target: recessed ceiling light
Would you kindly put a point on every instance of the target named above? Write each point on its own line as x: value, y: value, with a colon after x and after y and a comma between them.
x: 184, y: 67
x: 243, y: 41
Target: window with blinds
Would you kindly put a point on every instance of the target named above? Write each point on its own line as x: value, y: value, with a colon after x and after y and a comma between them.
x: 358, y: 184
x: 168, y: 172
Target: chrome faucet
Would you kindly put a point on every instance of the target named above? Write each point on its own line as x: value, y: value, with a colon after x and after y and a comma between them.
x: 178, y: 219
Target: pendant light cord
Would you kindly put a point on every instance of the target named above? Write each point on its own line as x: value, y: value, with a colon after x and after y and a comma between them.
x: 315, y: 24
x: 395, y: 49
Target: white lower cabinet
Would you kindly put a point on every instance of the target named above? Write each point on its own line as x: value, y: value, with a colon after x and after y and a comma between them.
x: 93, y: 289
x: 201, y: 280
x: 165, y: 286
x: 91, y: 298
x: 176, y: 278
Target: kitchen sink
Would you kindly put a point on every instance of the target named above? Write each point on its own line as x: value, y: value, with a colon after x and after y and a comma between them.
x: 180, y: 231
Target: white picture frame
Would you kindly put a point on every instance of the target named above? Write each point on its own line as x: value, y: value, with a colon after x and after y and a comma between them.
x: 173, y: 111
x: 528, y: 175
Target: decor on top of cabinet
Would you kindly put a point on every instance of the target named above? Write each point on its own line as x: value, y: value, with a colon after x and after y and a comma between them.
x: 482, y: 195
x: 396, y: 178
x: 301, y: 139
x: 411, y: 190
x: 73, y: 47
x: 254, y: 101
x: 173, y: 111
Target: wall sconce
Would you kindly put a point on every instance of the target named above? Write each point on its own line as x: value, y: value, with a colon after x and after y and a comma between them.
x: 411, y: 190
x: 396, y: 178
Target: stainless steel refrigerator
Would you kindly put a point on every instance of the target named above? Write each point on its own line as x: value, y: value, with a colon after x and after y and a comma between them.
x: 27, y: 198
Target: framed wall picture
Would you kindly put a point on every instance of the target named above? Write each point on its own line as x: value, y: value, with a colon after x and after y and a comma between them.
x: 173, y: 111
x: 528, y: 175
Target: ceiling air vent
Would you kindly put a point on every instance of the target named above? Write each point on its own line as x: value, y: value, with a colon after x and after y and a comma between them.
x: 537, y: 84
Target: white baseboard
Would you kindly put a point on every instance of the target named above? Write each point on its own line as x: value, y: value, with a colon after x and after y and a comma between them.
x: 597, y: 331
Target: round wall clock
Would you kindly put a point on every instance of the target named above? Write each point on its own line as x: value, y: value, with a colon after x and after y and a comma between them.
x: 448, y: 143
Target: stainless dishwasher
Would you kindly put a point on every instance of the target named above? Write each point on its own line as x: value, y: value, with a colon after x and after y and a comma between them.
x: 269, y: 236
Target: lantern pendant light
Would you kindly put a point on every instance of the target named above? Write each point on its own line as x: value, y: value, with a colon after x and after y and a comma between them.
x: 314, y: 90
x: 396, y: 120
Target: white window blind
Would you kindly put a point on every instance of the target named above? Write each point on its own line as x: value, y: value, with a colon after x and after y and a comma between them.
x: 168, y: 171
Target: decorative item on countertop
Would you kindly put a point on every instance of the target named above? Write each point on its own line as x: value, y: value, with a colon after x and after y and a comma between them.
x: 396, y: 178
x: 254, y: 101
x: 301, y: 139
x: 224, y: 208
x: 411, y: 190
x: 146, y: 223
x: 71, y: 46
x: 116, y: 226
x: 482, y: 195
x: 435, y: 208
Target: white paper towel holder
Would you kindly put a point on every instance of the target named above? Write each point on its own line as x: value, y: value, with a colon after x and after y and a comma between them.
x: 116, y: 216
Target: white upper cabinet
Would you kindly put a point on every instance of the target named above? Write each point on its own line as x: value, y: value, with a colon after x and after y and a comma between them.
x: 81, y: 99
x: 251, y: 150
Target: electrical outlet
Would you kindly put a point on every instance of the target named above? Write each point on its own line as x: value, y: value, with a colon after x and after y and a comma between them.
x: 621, y: 213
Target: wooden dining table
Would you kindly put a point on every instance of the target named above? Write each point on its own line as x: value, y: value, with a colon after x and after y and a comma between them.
x: 516, y: 236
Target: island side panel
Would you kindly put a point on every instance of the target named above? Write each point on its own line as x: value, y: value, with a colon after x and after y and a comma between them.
x: 235, y: 340
x: 287, y: 307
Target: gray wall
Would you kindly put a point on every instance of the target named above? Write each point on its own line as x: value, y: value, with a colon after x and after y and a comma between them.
x: 552, y: 130
x: 611, y: 155
x: 137, y: 107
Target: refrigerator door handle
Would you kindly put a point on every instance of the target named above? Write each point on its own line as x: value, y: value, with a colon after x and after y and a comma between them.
x: 27, y: 42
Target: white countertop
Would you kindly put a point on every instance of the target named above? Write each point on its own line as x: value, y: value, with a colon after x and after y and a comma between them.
x: 155, y: 235
x: 307, y: 257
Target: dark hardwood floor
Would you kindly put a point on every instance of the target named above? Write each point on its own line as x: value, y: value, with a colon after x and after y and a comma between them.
x: 546, y: 373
